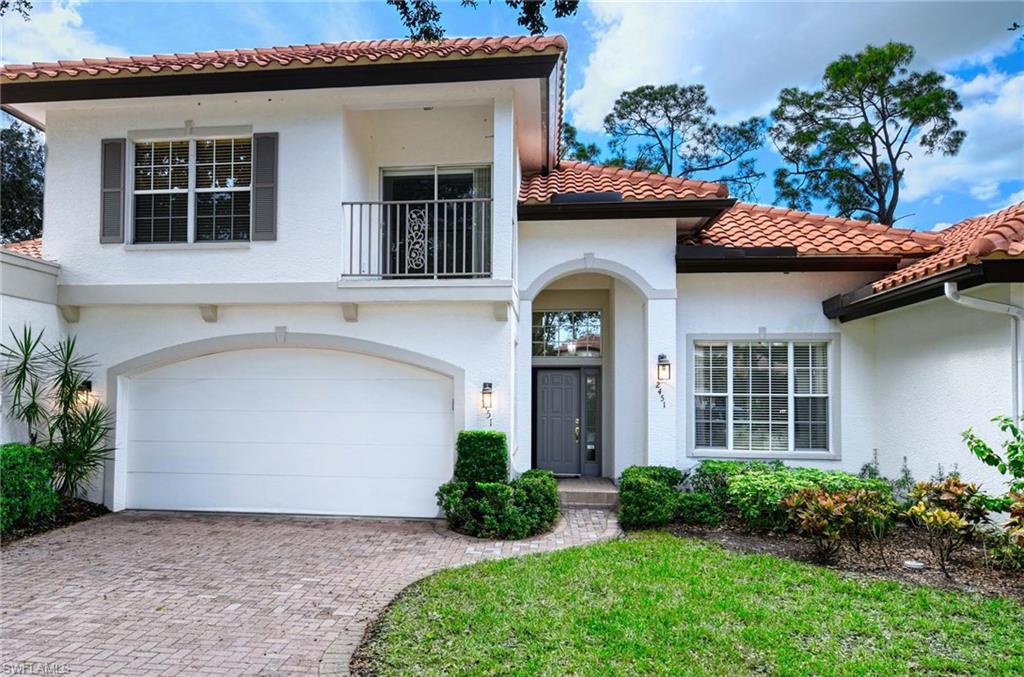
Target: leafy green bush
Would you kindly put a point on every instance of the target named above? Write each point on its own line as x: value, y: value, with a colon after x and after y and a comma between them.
x: 1011, y: 461
x: 698, y: 507
x: 1004, y: 553
x: 645, y: 502
x: 670, y: 477
x: 757, y: 492
x: 26, y: 486
x: 536, y: 494
x: 482, y: 456
x: 712, y: 477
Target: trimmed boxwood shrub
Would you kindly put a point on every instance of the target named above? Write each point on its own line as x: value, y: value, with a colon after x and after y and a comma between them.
x: 645, y: 503
x: 647, y: 496
x: 26, y: 486
x: 536, y: 493
x: 482, y: 456
x: 671, y: 477
x: 698, y: 507
x: 490, y: 506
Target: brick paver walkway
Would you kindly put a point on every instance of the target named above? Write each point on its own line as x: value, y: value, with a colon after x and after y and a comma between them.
x: 143, y: 593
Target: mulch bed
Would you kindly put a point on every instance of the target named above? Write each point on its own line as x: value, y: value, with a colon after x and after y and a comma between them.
x: 968, y: 572
x: 69, y: 511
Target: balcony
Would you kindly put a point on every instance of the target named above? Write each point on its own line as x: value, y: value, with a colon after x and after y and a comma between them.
x: 422, y: 239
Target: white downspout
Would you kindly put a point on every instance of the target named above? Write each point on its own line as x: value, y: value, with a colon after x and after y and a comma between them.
x: 1017, y: 316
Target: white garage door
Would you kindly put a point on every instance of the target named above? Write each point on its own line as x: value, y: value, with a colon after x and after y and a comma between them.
x: 289, y: 430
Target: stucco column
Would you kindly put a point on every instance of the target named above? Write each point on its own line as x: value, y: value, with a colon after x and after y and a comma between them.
x: 522, y: 453
x: 505, y: 188
x: 661, y: 407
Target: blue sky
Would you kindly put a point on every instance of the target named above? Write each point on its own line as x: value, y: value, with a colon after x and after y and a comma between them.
x: 743, y: 52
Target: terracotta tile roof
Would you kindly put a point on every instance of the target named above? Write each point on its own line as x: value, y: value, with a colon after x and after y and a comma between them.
x: 296, y: 56
x: 751, y: 225
x: 33, y: 248
x: 994, y: 236
x: 582, y: 177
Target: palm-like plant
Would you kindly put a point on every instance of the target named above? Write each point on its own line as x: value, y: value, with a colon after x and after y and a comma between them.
x: 45, y: 384
x: 22, y: 379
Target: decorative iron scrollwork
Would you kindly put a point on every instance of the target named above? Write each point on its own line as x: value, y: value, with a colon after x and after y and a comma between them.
x: 416, y: 239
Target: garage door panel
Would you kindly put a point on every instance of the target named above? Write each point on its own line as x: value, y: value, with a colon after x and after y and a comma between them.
x: 277, y: 363
x: 289, y: 430
x: 293, y: 394
x: 261, y: 493
x: 336, y: 460
x: 294, y: 427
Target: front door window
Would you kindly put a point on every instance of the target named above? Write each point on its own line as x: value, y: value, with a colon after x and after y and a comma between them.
x: 567, y: 333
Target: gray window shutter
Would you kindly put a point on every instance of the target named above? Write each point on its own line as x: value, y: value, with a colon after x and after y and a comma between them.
x: 264, y: 186
x: 112, y: 190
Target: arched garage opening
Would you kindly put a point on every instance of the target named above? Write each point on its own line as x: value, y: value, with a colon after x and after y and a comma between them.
x: 292, y: 423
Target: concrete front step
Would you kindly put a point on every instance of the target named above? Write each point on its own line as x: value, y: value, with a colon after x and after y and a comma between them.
x: 588, y: 492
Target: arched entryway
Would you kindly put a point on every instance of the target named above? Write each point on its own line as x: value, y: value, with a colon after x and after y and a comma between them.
x: 583, y: 366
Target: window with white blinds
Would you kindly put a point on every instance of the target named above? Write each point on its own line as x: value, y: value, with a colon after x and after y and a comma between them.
x: 761, y: 396
x: 196, y: 190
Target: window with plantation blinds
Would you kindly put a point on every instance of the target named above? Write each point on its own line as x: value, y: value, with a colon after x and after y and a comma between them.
x: 205, y: 182
x: 761, y: 396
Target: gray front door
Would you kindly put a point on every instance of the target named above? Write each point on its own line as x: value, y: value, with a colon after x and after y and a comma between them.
x: 558, y: 420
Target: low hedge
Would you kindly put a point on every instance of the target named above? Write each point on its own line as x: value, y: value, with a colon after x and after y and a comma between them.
x: 26, y: 486
x: 756, y: 493
x: 647, y: 496
x: 751, y: 490
x: 699, y: 508
x: 670, y: 477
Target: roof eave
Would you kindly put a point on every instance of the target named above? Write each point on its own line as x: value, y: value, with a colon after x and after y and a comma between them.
x: 865, y: 301
x: 722, y: 259
x: 628, y: 209
x: 188, y: 82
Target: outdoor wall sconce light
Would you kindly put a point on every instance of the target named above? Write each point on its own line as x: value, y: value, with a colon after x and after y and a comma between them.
x: 83, y: 394
x: 664, y: 368
x: 487, y: 400
x: 664, y: 375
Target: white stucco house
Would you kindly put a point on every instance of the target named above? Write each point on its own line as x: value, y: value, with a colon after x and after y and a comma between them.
x: 302, y: 270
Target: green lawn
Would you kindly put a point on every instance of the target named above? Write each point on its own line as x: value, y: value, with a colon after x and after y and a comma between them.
x: 653, y: 603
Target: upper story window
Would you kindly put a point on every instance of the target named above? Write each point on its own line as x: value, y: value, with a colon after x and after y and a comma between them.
x: 762, y: 397
x: 194, y: 190
x: 567, y: 333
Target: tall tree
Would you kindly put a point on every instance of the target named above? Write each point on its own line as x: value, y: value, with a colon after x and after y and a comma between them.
x: 423, y: 17
x: 672, y: 129
x: 22, y: 158
x: 848, y: 142
x: 572, y: 148
x: 22, y: 7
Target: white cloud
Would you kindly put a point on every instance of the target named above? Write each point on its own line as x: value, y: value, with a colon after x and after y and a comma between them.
x: 940, y: 226
x: 991, y: 153
x: 54, y: 31
x: 746, y: 52
x: 1013, y: 199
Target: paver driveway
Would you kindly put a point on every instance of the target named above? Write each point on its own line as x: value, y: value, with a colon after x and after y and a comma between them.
x: 169, y: 593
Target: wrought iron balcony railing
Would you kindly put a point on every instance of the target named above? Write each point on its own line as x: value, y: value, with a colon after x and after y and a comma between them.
x: 417, y: 239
